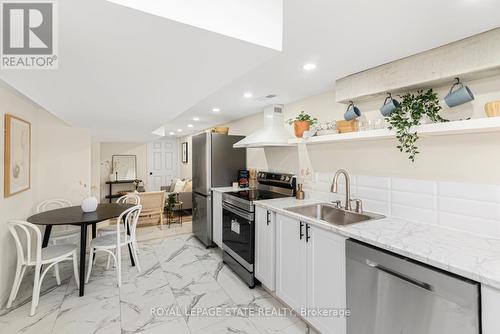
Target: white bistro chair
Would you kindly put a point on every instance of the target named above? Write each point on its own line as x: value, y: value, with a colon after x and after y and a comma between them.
x: 113, y: 243
x: 111, y: 229
x: 62, y: 236
x: 71, y: 235
x: 31, y: 253
x: 125, y: 199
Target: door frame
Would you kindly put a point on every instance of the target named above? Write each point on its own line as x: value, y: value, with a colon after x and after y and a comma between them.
x: 175, y: 155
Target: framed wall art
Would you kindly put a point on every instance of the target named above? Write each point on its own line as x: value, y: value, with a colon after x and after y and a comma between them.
x: 185, y: 152
x: 17, y: 155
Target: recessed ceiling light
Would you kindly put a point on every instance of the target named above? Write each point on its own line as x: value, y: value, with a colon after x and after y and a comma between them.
x: 190, y: 125
x: 248, y: 95
x: 215, y: 109
x: 196, y: 119
x: 179, y: 130
x: 171, y: 133
x: 309, y: 67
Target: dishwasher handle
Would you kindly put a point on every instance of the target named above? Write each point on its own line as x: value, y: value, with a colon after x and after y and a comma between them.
x: 401, y: 276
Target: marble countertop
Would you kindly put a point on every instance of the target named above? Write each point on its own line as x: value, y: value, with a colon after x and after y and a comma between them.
x: 468, y: 255
x: 227, y: 189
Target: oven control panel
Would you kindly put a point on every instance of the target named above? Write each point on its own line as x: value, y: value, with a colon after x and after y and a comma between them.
x: 276, y: 178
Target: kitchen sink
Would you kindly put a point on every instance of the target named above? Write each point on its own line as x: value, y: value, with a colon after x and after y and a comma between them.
x: 332, y: 214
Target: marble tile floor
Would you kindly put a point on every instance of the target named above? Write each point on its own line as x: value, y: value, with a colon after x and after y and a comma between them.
x: 183, y: 288
x: 160, y: 232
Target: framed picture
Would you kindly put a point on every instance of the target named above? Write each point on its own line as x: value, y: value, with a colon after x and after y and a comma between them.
x: 17, y: 155
x: 185, y: 152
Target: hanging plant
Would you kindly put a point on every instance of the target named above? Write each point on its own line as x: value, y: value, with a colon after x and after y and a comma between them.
x: 413, y: 107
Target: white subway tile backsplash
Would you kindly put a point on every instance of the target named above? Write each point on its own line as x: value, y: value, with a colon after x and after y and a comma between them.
x: 414, y: 199
x: 472, y: 208
x: 377, y: 207
x: 414, y: 214
x: 382, y: 195
x: 478, y: 192
x: 415, y: 186
x: 323, y: 177
x: 470, y: 224
x: 373, y: 181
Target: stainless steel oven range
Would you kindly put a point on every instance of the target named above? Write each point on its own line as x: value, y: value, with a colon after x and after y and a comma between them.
x: 238, y: 224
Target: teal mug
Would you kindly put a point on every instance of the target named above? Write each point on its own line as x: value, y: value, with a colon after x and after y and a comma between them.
x: 389, y: 106
x: 352, y: 112
x: 458, y: 94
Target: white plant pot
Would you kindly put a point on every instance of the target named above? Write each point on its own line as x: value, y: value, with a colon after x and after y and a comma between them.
x: 89, y: 204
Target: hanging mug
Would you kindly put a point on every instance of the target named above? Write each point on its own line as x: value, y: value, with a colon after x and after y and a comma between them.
x: 461, y: 95
x: 389, y: 106
x: 352, y: 112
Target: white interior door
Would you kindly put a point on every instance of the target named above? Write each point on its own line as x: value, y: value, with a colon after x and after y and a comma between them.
x: 163, y: 165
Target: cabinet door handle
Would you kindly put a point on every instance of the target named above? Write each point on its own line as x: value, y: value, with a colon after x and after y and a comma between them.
x: 301, y: 233
x: 268, y: 218
x: 307, y: 233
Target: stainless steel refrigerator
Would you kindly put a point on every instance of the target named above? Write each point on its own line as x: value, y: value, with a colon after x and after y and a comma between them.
x: 215, y: 164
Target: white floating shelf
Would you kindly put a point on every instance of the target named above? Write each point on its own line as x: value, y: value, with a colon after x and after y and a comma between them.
x: 479, y: 125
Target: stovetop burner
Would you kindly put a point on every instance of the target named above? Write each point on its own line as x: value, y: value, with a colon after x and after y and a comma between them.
x: 270, y: 186
x: 256, y: 194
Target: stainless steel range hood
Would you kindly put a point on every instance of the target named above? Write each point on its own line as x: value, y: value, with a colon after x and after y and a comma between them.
x: 274, y: 132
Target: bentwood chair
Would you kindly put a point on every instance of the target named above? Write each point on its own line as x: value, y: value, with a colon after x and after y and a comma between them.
x: 113, y: 243
x: 62, y: 236
x: 111, y: 229
x: 71, y: 235
x: 28, y: 240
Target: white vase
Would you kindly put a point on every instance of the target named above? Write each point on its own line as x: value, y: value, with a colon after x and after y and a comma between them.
x: 112, y: 177
x: 89, y: 204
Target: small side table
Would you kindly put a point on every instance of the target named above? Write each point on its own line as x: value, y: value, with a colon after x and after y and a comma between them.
x: 172, y: 219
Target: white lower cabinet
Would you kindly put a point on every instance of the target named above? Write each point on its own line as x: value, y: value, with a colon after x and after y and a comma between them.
x: 310, y: 273
x: 490, y: 306
x: 217, y: 218
x: 265, y: 247
x: 290, y: 262
x: 326, y: 282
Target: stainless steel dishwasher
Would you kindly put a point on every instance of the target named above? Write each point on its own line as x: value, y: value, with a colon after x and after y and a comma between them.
x: 389, y: 294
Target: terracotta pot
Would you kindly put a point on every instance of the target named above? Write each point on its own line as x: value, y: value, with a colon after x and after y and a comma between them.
x: 300, y: 127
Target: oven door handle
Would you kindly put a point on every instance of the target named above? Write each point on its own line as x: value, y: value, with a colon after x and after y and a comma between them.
x: 247, y: 215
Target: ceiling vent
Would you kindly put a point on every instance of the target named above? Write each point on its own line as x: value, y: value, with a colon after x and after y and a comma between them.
x: 266, y: 97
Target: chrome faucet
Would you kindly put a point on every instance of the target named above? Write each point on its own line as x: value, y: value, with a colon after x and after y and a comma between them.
x: 334, y: 188
x: 348, y: 200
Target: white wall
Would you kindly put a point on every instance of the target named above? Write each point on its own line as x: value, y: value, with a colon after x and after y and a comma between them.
x: 108, y: 149
x: 60, y: 165
x: 470, y: 158
x: 185, y: 169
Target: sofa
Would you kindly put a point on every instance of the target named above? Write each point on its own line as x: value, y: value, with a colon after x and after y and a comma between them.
x: 184, y: 191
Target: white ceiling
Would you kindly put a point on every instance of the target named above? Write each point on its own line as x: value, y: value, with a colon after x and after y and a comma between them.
x: 255, y: 21
x: 123, y: 73
x: 342, y: 37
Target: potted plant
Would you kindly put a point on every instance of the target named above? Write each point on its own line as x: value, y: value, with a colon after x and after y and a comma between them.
x: 301, y: 123
x: 171, y: 201
x: 413, y: 108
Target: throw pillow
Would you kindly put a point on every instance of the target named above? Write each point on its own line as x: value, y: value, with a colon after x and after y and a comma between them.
x: 188, y: 187
x: 179, y: 186
x: 172, y: 185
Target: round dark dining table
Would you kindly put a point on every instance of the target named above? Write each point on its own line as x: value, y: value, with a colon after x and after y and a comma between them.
x: 74, y: 215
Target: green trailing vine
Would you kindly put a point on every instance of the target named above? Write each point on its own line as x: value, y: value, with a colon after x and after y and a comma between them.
x: 412, y: 108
